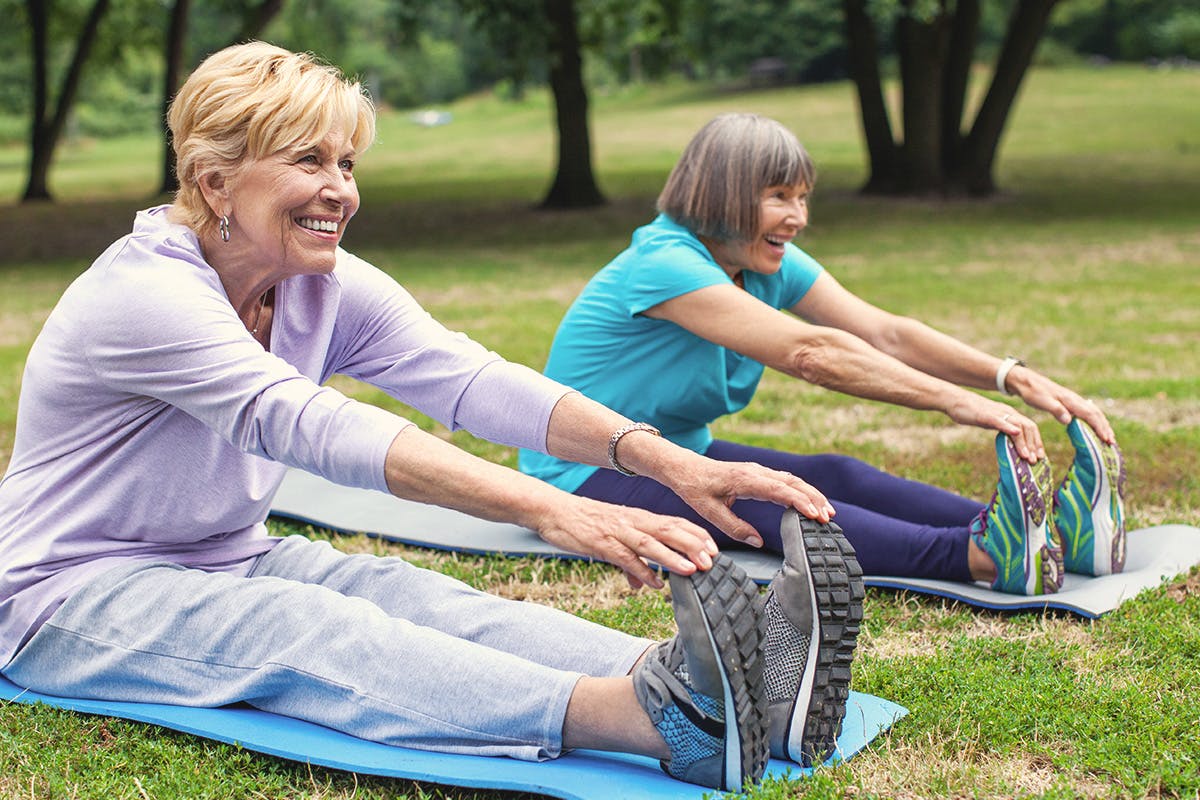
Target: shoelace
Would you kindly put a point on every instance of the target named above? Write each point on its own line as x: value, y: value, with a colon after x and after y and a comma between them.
x: 664, y: 687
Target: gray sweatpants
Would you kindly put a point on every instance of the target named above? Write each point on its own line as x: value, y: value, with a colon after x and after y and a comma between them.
x: 375, y: 647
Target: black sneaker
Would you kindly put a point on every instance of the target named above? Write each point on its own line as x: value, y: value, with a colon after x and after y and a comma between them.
x: 813, y: 610
x: 704, y: 689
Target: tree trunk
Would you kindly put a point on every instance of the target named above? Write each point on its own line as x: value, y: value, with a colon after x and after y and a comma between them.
x: 574, y: 184
x: 922, y: 47
x: 863, y: 53
x: 1025, y: 29
x: 45, y: 129
x: 956, y: 80
x: 936, y: 56
x: 254, y: 20
x: 173, y: 57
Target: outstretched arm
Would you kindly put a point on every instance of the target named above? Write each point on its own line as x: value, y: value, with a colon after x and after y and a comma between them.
x: 422, y: 467
x: 940, y: 355
x: 580, y: 429
x: 836, y: 357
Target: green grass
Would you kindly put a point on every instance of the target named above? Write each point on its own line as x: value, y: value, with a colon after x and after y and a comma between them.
x: 1088, y: 264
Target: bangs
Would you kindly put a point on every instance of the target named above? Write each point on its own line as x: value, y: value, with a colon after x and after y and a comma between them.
x: 300, y: 125
x: 716, y: 186
x: 783, y: 162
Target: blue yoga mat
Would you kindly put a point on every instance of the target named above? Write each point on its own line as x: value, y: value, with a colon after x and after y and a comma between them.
x: 579, y: 775
x: 1152, y: 554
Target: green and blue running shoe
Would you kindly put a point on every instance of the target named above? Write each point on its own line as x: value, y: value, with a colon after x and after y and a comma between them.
x: 1015, y: 527
x: 1089, y: 506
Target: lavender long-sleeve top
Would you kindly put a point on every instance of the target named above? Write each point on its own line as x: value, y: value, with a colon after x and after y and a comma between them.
x: 153, y: 427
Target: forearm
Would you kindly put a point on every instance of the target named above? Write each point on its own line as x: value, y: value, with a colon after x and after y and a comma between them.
x: 944, y: 357
x: 422, y: 467
x: 425, y: 468
x: 844, y: 363
x: 580, y: 430
x: 930, y: 351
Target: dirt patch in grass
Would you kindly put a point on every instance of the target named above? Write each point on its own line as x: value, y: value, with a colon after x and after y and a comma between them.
x: 1158, y: 414
x: 1073, y: 259
x: 1188, y: 587
x: 18, y: 328
x: 460, y: 296
x: 891, y: 774
x: 574, y: 596
x: 890, y: 643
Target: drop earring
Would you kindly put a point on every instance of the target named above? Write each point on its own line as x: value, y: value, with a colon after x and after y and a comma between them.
x: 223, y: 226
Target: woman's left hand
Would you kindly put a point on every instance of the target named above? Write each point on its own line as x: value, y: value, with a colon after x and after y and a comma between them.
x: 1060, y: 402
x: 711, y: 488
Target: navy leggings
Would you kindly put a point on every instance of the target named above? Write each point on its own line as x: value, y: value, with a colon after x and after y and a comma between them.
x: 897, y: 526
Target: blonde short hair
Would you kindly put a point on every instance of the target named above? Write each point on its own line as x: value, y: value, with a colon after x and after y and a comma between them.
x: 248, y: 101
x: 715, y: 188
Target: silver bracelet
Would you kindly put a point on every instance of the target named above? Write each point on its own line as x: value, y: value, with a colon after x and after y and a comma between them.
x: 1002, y: 374
x: 616, y: 437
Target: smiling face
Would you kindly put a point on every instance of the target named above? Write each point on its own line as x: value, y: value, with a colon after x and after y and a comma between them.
x: 783, y: 214
x: 289, y: 209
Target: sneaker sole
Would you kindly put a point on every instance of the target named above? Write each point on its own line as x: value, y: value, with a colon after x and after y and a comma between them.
x: 836, y: 590
x: 728, y: 605
x: 1035, y: 484
x: 1108, y: 534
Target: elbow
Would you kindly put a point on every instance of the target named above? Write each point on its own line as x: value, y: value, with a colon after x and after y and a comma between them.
x: 813, y: 362
x: 890, y: 338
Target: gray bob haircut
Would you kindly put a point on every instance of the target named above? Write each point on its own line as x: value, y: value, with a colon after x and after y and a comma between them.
x: 715, y: 188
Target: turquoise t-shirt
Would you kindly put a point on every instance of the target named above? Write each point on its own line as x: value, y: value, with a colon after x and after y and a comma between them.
x: 653, y: 370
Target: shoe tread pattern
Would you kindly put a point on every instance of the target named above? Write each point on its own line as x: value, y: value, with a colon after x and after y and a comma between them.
x: 838, y: 584
x: 733, y: 607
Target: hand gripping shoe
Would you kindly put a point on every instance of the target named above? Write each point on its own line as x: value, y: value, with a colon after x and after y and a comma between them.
x: 1089, y: 506
x: 813, y: 611
x: 1015, y: 528
x: 704, y: 689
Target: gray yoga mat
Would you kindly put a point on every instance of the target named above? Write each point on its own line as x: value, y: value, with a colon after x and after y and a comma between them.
x: 1152, y: 554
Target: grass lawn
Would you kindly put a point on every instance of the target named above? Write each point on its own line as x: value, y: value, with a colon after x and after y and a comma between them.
x: 1087, y: 264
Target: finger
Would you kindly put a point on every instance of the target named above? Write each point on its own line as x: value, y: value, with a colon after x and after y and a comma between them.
x: 1033, y: 435
x: 785, y: 489
x: 1090, y: 413
x: 638, y: 573
x: 687, y: 546
x: 1007, y: 422
x: 730, y: 524
x: 1011, y: 424
x: 649, y: 547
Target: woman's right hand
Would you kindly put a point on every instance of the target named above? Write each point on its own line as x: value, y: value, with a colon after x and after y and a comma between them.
x: 974, y: 409
x: 628, y: 538
x: 711, y: 487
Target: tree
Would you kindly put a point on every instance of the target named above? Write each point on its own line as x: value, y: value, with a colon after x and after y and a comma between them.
x: 574, y: 184
x: 527, y: 35
x: 254, y: 18
x: 47, y: 123
x: 935, y: 41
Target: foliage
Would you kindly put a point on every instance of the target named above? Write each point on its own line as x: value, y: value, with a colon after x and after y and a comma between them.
x: 1130, y: 30
x: 123, y: 98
